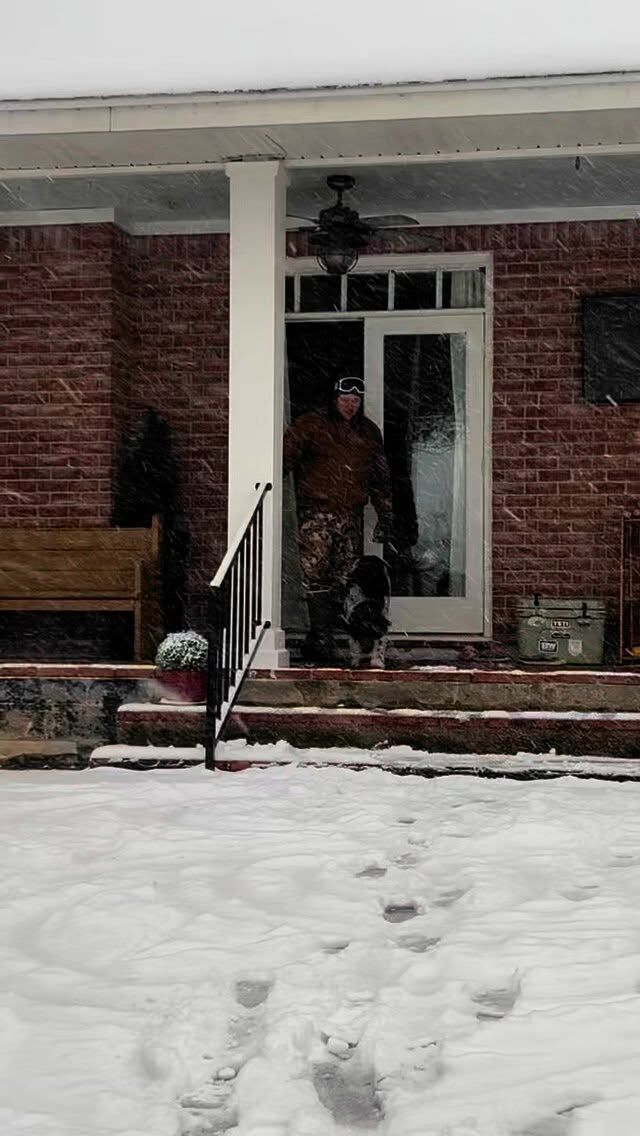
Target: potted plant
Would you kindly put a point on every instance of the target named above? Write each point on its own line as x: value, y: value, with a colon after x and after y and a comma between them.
x: 182, y: 660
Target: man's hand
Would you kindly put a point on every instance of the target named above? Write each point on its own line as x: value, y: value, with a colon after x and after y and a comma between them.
x: 383, y: 532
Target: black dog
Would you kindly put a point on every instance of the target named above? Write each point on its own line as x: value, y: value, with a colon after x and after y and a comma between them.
x: 366, y: 611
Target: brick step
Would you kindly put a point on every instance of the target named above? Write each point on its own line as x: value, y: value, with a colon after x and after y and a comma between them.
x: 445, y: 688
x: 445, y: 731
x: 160, y: 723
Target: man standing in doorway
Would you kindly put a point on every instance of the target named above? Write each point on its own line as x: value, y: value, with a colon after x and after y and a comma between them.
x: 339, y: 463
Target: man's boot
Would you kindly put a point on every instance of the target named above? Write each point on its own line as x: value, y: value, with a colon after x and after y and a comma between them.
x: 319, y: 646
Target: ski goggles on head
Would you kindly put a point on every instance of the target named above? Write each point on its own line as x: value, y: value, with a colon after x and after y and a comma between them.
x: 351, y: 385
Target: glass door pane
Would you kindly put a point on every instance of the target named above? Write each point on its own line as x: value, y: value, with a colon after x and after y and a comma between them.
x: 425, y: 438
x: 425, y: 390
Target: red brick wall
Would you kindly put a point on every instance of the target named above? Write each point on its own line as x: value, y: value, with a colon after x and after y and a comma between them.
x: 124, y: 342
x: 55, y: 375
x: 171, y: 353
x: 564, y: 471
x: 95, y: 325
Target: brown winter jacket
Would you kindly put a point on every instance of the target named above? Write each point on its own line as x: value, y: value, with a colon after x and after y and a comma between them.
x: 339, y: 465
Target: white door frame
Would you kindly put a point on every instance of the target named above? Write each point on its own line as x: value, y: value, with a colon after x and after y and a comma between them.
x: 454, y: 616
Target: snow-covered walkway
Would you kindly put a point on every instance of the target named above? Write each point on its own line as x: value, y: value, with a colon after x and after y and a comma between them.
x: 314, y: 952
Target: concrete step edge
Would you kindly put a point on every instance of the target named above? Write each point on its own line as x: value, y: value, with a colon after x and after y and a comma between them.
x: 146, y: 756
x: 530, y: 716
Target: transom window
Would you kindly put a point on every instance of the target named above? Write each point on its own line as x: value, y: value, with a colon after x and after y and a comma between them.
x: 391, y: 290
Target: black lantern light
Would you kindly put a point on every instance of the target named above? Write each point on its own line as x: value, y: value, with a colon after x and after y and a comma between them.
x: 341, y: 235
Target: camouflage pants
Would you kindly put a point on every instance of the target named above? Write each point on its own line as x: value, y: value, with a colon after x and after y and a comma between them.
x: 329, y: 546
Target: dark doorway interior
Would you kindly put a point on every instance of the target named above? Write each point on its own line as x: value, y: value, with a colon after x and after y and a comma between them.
x: 318, y: 353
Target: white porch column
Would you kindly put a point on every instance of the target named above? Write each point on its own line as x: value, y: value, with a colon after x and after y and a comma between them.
x: 256, y: 368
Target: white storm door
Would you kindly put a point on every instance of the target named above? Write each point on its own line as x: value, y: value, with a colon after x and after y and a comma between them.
x: 425, y: 389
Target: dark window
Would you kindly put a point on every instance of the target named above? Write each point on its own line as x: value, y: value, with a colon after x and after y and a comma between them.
x: 367, y: 293
x: 320, y: 293
x: 415, y: 290
x: 611, y: 348
x: 289, y: 294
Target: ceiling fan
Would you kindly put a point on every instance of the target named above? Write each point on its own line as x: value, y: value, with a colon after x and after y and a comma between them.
x: 339, y: 233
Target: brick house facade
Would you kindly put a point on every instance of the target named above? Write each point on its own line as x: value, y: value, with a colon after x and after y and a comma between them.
x: 99, y: 324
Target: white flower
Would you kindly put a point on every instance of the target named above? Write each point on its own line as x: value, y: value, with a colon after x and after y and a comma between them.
x: 182, y: 651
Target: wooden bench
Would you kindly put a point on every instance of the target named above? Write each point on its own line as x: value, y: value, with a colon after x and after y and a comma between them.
x: 85, y: 570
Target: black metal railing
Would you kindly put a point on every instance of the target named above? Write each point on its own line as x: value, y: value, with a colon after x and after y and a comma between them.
x: 235, y: 625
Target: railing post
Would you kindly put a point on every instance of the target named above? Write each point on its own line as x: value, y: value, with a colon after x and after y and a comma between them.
x: 234, y: 623
x: 214, y: 632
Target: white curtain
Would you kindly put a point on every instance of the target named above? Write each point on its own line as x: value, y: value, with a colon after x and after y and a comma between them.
x: 457, y: 554
x: 467, y: 291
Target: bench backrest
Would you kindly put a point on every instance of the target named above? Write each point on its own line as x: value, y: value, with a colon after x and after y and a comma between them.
x: 143, y: 544
x: 66, y: 563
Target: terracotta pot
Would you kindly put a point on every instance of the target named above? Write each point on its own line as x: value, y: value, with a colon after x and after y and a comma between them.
x: 183, y: 686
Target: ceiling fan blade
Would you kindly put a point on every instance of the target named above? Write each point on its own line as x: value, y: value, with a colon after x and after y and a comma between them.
x: 391, y: 221
x: 296, y: 217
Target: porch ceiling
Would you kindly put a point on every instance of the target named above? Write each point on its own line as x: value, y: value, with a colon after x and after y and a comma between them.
x: 448, y: 151
x: 440, y: 192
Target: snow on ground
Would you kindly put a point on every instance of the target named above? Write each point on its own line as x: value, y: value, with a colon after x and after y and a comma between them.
x: 317, y: 952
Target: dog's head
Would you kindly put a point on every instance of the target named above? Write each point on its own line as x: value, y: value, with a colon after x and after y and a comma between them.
x: 371, y: 576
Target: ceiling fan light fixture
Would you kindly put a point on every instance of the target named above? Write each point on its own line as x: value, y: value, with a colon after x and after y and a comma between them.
x: 337, y: 248
x: 341, y: 234
x: 337, y: 262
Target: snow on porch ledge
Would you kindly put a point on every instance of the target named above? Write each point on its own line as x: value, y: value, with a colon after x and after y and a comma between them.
x: 237, y: 756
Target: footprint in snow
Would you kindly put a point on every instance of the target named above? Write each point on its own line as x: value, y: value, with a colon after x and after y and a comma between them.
x: 579, y: 892
x: 333, y: 945
x: 397, y: 911
x: 348, y: 1092
x: 417, y: 943
x: 419, y: 1066
x: 344, y: 1082
x: 447, y: 897
x: 624, y: 859
x: 371, y: 872
x: 561, y: 1123
x: 550, y: 1126
x: 252, y: 992
x: 341, y: 1032
x: 496, y: 1003
x: 209, y: 1109
x: 406, y: 860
